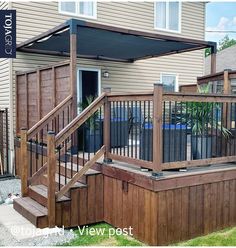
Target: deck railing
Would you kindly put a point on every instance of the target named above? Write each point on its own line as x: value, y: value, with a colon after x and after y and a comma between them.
x: 162, y: 131
x: 154, y: 130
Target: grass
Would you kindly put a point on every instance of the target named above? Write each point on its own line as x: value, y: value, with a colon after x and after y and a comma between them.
x: 104, y: 239
x: 226, y: 237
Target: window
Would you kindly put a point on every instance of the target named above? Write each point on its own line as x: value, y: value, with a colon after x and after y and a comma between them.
x: 170, y: 82
x: 168, y: 16
x: 79, y: 8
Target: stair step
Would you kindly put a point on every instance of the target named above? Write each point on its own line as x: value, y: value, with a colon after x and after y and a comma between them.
x: 62, y: 181
x: 40, y: 194
x: 73, y: 166
x: 32, y: 211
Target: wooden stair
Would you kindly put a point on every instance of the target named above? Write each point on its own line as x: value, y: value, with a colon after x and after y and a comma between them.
x: 34, y: 206
x: 32, y: 210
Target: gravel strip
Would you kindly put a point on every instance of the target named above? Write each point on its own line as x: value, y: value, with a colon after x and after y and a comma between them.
x: 9, y: 186
x: 7, y: 239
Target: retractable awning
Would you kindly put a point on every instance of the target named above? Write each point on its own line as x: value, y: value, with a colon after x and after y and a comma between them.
x: 98, y: 41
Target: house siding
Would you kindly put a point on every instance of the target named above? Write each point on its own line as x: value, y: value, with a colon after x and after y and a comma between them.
x: 34, y: 18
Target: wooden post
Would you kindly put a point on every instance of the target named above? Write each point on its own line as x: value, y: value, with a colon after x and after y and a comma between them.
x: 213, y: 60
x: 227, y: 82
x: 226, y: 109
x: 106, y: 127
x: 51, y: 172
x: 24, y: 162
x: 157, y: 130
x: 73, y: 78
x: 73, y: 72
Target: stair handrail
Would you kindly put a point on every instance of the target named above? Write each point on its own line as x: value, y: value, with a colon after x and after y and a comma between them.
x: 48, y: 117
x: 80, y: 119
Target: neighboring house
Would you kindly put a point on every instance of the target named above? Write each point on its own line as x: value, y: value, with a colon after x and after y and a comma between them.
x: 186, y: 19
x: 225, y: 59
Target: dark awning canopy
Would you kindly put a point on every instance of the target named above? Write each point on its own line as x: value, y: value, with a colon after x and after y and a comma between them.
x: 98, y: 41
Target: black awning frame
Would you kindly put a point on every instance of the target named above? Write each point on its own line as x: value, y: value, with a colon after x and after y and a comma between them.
x: 73, y: 24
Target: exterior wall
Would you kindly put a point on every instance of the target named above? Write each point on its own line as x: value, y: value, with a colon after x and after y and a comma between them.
x: 225, y: 59
x: 34, y: 18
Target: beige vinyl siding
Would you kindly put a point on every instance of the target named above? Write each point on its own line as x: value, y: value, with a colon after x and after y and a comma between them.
x: 4, y: 74
x: 34, y: 18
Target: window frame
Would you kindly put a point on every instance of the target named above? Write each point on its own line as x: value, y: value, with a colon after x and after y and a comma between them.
x: 167, y: 18
x: 94, y: 16
x: 171, y: 74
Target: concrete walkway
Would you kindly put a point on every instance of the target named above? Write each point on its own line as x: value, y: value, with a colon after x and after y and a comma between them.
x: 15, y: 230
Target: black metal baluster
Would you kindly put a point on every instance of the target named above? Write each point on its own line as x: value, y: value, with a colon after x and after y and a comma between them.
x: 31, y: 157
x: 175, y: 137
x: 120, y: 125
x: 212, y: 124
x: 164, y: 132
x: 186, y: 131
x: 217, y: 117
x: 65, y: 161
x: 42, y: 148
x: 140, y: 125
x: 221, y: 128
x: 71, y: 155
x: 83, y: 143
x: 36, y: 152
x: 125, y: 119
x: 94, y: 132
x: 128, y: 132
x: 136, y: 131
x: 117, y: 128
x: 132, y: 131
x: 170, y: 121
x: 149, y: 125
x: 59, y: 168
x: 191, y: 131
x: 181, y: 133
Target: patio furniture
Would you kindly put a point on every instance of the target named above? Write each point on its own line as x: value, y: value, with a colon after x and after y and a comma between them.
x: 174, y: 142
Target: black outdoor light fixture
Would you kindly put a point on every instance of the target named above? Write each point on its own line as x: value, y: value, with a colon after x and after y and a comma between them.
x: 106, y: 74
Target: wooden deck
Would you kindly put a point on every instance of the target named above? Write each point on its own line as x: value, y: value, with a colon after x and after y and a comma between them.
x: 65, y: 188
x: 179, y: 206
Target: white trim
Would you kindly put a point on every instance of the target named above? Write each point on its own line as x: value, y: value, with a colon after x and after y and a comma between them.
x: 167, y: 19
x: 98, y: 70
x: 94, y: 16
x: 172, y: 74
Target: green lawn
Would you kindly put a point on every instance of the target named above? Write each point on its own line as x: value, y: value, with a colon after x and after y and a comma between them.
x: 105, y: 239
x: 226, y: 237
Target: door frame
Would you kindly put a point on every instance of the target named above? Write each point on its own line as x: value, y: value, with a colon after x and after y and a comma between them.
x: 79, y: 85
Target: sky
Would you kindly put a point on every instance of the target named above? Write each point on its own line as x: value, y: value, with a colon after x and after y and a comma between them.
x: 220, y: 16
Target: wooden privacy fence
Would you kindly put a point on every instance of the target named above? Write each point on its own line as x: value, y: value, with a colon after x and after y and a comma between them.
x: 220, y: 82
x: 4, y: 143
x: 39, y: 91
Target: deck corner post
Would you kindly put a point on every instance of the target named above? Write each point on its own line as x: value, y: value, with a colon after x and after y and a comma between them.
x: 213, y: 59
x: 51, y: 172
x: 24, y: 162
x: 157, y: 130
x: 106, y: 126
x: 227, y: 82
x: 226, y: 108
